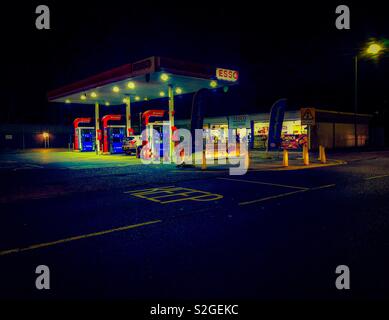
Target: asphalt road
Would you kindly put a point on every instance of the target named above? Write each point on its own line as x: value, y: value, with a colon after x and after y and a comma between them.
x: 193, y: 234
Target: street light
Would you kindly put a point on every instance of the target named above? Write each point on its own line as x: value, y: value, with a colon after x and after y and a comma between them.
x: 46, y: 140
x: 372, y: 51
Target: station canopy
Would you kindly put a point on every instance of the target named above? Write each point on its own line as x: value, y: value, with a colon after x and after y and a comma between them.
x: 143, y: 80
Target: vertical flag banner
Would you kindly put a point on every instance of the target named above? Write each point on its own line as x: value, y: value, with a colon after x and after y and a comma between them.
x: 275, y: 125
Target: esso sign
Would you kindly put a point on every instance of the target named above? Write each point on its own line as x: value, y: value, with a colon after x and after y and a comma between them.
x: 227, y: 75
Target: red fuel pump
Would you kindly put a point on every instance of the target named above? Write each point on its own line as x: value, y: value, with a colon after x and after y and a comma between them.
x: 76, y: 122
x: 152, y: 113
x: 159, y: 126
x: 105, y: 119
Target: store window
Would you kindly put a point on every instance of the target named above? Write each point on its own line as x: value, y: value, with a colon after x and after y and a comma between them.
x: 293, y: 134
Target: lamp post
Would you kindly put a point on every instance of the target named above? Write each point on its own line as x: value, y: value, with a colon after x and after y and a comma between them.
x: 46, y: 138
x: 355, y: 100
x: 373, y: 51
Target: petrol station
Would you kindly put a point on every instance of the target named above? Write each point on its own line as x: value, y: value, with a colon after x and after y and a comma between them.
x: 145, y: 80
x: 157, y: 78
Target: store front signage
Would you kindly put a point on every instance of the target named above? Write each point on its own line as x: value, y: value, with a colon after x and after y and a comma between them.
x: 235, y: 122
x: 227, y: 75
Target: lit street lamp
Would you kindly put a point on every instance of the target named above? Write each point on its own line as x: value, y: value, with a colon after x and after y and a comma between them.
x: 46, y: 139
x: 372, y: 51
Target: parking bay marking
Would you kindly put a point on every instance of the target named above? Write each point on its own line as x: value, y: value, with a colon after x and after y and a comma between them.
x: 286, y: 194
x: 170, y: 194
x: 377, y: 177
x: 300, y: 190
x: 74, y: 238
x: 265, y: 183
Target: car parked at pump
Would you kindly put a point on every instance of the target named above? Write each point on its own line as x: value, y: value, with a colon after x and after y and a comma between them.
x: 132, y: 145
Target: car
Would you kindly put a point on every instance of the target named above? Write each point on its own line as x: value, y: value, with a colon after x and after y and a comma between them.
x: 132, y: 145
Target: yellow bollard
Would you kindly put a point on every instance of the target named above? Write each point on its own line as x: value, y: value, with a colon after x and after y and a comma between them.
x: 306, y: 155
x: 204, y: 162
x: 323, y: 155
x: 320, y: 153
x: 285, y: 158
x: 247, y: 160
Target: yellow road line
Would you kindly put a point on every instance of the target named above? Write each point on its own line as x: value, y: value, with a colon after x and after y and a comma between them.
x: 178, y: 193
x: 196, y: 198
x: 148, y: 189
x: 265, y: 183
x: 377, y: 177
x: 84, y: 236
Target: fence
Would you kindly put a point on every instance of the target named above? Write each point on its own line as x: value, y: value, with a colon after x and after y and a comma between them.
x: 34, y: 136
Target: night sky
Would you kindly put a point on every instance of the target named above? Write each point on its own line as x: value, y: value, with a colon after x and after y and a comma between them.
x: 292, y: 51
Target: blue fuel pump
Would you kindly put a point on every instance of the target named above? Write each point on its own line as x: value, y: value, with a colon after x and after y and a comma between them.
x: 160, y: 127
x: 86, y: 138
x: 115, y: 136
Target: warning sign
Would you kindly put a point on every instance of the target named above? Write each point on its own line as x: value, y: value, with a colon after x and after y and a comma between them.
x: 308, y: 116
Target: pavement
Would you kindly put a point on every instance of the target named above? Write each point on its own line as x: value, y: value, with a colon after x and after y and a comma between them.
x: 109, y: 227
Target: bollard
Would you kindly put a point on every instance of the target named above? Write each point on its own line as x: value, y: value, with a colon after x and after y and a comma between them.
x: 320, y: 153
x: 306, y: 155
x: 285, y: 159
x: 247, y: 160
x: 204, y: 162
x: 323, y: 157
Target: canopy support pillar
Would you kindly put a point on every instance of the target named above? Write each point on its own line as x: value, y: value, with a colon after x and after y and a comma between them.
x: 171, y: 118
x: 128, y: 116
x: 97, y: 127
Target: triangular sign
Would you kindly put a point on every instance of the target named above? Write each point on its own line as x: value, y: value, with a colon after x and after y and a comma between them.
x: 308, y: 115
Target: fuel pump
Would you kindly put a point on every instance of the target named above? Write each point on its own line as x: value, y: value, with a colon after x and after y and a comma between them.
x: 113, y: 135
x: 156, y: 127
x: 84, y: 137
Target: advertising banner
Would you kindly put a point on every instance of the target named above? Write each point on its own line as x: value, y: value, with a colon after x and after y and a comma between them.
x: 275, y: 125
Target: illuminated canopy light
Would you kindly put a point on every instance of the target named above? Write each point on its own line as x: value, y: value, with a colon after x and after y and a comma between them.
x: 374, y: 48
x: 137, y: 98
x: 131, y: 85
x: 145, y: 98
x: 83, y: 97
x: 116, y: 89
x: 67, y: 101
x: 93, y: 94
x: 213, y: 84
x: 107, y: 103
x: 178, y: 90
x: 162, y: 94
x: 164, y: 77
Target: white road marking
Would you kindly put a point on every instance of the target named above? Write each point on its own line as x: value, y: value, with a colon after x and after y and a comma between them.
x: 286, y: 194
x: 271, y: 197
x: 265, y: 183
x: 377, y: 177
